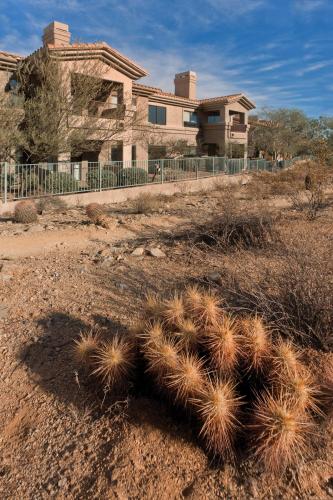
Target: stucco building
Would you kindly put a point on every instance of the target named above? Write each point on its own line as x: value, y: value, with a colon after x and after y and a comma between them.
x: 212, y: 126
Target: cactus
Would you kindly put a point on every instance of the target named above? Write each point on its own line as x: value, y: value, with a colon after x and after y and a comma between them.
x: 96, y: 214
x: 94, y: 211
x: 25, y: 212
x: 214, y: 364
x: 281, y: 432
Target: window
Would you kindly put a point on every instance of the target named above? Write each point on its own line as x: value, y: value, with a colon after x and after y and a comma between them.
x: 190, y: 119
x: 213, y: 117
x: 157, y: 115
x: 133, y: 152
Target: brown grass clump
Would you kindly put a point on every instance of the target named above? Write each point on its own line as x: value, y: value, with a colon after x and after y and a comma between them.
x: 147, y: 203
x: 218, y: 408
x: 114, y: 361
x: 281, y: 432
x: 224, y: 345
x: 187, y: 379
x: 256, y: 341
x: 85, y: 348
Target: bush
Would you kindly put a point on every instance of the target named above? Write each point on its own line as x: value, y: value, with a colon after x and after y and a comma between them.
x: 25, y: 212
x: 108, y: 178
x: 61, y: 182
x: 28, y: 183
x: 294, y: 291
x: 50, y: 203
x: 147, y: 203
x: 132, y: 176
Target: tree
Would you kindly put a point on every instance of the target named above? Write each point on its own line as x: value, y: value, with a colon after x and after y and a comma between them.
x: 69, y: 108
x: 11, y: 115
x: 283, y: 132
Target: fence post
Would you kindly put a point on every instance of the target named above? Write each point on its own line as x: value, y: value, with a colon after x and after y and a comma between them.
x: 162, y: 171
x: 196, y: 170
x: 5, y: 187
x: 213, y: 165
x: 100, y: 175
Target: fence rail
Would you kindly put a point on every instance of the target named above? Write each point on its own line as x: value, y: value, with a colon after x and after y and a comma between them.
x: 19, y: 181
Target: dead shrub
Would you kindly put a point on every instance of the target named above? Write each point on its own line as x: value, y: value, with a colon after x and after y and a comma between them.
x: 232, y: 230
x: 293, y: 289
x: 51, y: 204
x: 289, y: 181
x: 147, y: 203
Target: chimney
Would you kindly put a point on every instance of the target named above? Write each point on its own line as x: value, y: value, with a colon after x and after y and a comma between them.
x: 185, y: 84
x: 56, y: 34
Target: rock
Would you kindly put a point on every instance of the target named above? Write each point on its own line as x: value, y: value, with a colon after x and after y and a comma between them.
x: 115, y: 250
x: 35, y: 229
x: 138, y: 252
x: 156, y: 252
x: 104, y: 252
x: 215, y: 277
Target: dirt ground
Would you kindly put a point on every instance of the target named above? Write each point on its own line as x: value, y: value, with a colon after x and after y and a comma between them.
x: 59, y: 438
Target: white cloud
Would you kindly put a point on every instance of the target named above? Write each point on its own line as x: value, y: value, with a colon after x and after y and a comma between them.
x: 310, y: 5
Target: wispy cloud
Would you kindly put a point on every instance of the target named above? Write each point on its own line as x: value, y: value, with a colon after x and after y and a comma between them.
x: 310, y: 5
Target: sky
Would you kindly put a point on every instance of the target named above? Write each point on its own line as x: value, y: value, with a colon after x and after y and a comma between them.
x: 278, y: 52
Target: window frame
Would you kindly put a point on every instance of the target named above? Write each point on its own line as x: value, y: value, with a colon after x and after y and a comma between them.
x: 157, y: 115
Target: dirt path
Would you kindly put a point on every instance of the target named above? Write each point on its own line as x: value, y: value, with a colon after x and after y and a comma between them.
x: 43, y: 242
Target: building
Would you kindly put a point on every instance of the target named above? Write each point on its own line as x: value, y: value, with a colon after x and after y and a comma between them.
x: 213, y: 126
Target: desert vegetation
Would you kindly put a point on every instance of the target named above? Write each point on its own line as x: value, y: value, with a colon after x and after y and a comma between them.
x: 244, y: 385
x: 190, y: 346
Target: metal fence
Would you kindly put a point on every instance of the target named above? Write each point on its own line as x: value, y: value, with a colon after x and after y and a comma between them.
x: 19, y: 181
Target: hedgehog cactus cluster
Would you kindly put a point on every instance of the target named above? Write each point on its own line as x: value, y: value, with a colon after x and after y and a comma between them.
x: 226, y: 371
x: 25, y: 212
x: 96, y: 213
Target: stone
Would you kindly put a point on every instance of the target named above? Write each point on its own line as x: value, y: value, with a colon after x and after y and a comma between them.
x: 138, y: 252
x: 215, y: 277
x: 156, y: 252
x: 35, y: 229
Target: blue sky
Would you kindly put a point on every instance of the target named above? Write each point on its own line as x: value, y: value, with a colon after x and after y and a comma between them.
x: 278, y: 52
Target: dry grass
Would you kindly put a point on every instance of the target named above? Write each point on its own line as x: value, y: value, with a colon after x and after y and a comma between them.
x: 292, y: 289
x: 147, y: 203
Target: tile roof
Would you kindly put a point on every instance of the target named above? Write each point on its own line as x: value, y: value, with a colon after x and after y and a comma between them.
x: 110, y: 53
x: 223, y: 98
x: 8, y: 60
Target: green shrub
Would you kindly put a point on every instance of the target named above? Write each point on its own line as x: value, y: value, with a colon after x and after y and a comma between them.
x: 61, y: 182
x: 29, y: 184
x: 132, y: 176
x: 108, y: 178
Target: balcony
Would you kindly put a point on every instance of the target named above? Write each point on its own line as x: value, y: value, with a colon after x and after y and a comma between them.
x: 238, y: 127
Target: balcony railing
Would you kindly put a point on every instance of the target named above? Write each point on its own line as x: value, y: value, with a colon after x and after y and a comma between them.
x: 239, y: 127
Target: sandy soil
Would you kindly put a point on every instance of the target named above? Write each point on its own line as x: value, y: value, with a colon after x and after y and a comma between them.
x: 61, y: 439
